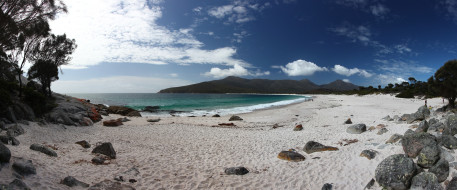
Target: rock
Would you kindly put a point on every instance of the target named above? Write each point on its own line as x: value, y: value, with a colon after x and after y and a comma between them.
x: 394, y: 138
x: 404, y: 117
x: 107, y: 184
x: 216, y: 115
x: 277, y: 126
x: 236, y: 171
x: 452, y: 184
x: 451, y: 125
x: 72, y: 182
x: 17, y: 184
x: 348, y: 121
x: 446, y: 155
x: 327, y: 186
x: 85, y: 121
x: 10, y: 115
x: 235, y: 118
x: 425, y: 181
x: 124, y: 119
x: 226, y: 124
x: 291, y: 156
x: 449, y: 141
x: 422, y: 113
x: 395, y: 172
x: 129, y: 174
x: 370, y: 184
x: 380, y: 126
x: 382, y: 131
x: 441, y: 170
x: 153, y: 120
x: 151, y: 108
x: 413, y: 143
x: 409, y: 132
x: 9, y: 140
x: 98, y: 160
x: 433, y: 121
x: 438, y: 126
x: 414, y: 126
x: 5, y: 154
x: 298, y: 128
x: 371, y: 128
x: 84, y: 144
x: 428, y: 156
x: 356, y: 129
x: 24, y: 167
x: 396, y: 118
x: 312, y: 146
x: 423, y: 126
x: 388, y: 118
x: 370, y: 154
x: 112, y: 123
x: 124, y: 111
x: 43, y: 149
x: 15, y: 131
x: 105, y: 149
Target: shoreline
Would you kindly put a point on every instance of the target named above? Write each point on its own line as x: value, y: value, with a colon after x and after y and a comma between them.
x: 192, y: 152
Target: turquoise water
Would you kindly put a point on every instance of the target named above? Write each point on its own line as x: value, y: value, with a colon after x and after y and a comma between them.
x: 195, y: 104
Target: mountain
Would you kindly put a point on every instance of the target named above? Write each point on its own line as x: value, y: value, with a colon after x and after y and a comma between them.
x: 240, y: 85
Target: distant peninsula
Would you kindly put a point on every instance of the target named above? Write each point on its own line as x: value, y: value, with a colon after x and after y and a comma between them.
x: 262, y: 86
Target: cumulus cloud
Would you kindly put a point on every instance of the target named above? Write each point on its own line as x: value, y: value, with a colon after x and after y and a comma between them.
x: 348, y: 72
x: 127, y: 31
x: 385, y: 79
x: 117, y: 84
x: 346, y: 80
x: 237, y: 70
x: 301, y: 68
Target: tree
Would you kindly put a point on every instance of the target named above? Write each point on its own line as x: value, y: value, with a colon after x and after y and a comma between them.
x: 56, y: 49
x: 46, y: 72
x: 412, y: 80
x: 445, y: 81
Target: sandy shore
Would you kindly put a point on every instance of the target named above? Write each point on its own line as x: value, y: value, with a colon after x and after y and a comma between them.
x: 190, y: 153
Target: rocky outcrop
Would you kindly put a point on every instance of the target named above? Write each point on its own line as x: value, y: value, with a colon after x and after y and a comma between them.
x: 425, y: 180
x: 43, y: 149
x: 72, y: 111
x: 236, y: 171
x: 413, y: 143
x: 151, y: 108
x: 105, y: 149
x: 312, y: 146
x: 24, y: 167
x: 5, y: 154
x: 124, y: 111
x: 395, y: 172
x: 291, y: 156
x: 73, y: 182
x: 356, y: 129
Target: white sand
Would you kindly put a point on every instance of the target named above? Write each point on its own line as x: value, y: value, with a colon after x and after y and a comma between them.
x: 188, y: 153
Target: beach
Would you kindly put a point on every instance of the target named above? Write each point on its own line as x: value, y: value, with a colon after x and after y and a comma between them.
x: 192, y: 152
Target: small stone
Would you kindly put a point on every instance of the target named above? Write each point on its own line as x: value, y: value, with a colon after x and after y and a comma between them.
x: 370, y: 154
x: 216, y: 115
x: 298, y: 128
x: 394, y: 138
x: 43, y: 149
x: 98, y: 160
x: 327, y: 186
x: 235, y: 118
x: 356, y: 129
x: 5, y: 154
x: 112, y: 123
x: 291, y: 156
x: 382, y: 131
x: 153, y: 120
x: 106, y: 149
x: 312, y: 146
x: 84, y: 144
x: 348, y: 121
x: 380, y: 126
x: 72, y: 182
x: 24, y: 167
x: 371, y: 128
x: 236, y: 171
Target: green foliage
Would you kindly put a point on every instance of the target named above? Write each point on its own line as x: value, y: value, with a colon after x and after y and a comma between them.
x: 405, y: 94
x: 36, y: 100
x: 46, y: 72
x: 56, y: 49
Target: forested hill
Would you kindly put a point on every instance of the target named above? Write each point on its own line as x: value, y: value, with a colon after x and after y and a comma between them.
x: 240, y: 85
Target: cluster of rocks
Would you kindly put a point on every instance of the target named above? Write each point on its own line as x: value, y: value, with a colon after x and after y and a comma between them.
x: 310, y: 147
x: 72, y: 111
x: 124, y: 111
x: 431, y: 143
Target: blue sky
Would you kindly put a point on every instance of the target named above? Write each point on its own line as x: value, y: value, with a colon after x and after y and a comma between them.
x: 148, y: 45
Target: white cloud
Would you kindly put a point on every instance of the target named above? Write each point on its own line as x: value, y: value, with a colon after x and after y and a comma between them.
x: 301, y: 68
x: 402, y: 48
x: 384, y: 79
x: 127, y: 31
x: 237, y: 70
x: 379, y: 10
x: 237, y: 11
x: 348, y: 72
x: 117, y: 84
x: 451, y: 8
x: 174, y: 75
x: 402, y: 67
x: 346, y: 80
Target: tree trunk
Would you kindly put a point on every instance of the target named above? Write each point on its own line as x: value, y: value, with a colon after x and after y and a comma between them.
x: 49, y: 89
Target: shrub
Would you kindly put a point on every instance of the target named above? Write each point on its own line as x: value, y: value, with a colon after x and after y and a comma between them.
x: 36, y: 100
x: 405, y: 94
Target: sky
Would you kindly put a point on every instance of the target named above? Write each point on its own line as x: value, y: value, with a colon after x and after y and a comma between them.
x: 127, y: 46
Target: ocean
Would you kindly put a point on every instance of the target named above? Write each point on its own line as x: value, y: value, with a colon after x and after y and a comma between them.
x: 193, y: 104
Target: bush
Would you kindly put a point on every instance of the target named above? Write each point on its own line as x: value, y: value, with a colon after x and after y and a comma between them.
x: 405, y: 94
x: 36, y: 100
